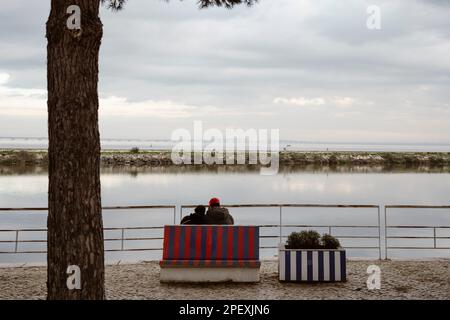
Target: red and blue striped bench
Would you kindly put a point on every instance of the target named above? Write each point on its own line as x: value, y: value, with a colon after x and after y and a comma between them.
x: 197, y: 253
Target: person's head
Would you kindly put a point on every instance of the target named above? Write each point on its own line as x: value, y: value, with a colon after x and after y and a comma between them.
x: 214, y: 202
x: 200, y: 210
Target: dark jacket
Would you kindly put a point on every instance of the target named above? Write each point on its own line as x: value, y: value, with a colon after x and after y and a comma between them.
x: 194, y: 218
x: 219, y: 215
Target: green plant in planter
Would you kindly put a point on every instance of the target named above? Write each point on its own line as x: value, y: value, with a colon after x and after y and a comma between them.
x: 330, y: 242
x: 311, y: 240
x: 304, y: 240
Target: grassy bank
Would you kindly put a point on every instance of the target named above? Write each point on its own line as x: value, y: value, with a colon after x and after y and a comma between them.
x: 136, y: 157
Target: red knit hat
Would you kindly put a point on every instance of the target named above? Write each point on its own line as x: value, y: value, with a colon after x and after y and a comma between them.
x: 214, y: 201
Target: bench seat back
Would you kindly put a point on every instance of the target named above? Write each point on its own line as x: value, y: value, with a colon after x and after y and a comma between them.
x: 211, y: 245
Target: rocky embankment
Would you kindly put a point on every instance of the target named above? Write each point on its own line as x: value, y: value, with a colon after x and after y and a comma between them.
x: 163, y: 158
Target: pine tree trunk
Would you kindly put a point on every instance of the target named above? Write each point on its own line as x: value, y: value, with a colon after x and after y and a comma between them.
x: 75, y: 227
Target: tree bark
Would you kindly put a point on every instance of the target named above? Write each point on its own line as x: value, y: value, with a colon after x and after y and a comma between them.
x: 75, y: 227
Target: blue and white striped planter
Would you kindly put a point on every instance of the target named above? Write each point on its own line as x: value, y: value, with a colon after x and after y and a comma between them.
x: 303, y: 265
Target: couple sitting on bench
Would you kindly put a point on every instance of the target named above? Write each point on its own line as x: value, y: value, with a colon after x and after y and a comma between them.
x: 216, y: 215
x: 209, y: 248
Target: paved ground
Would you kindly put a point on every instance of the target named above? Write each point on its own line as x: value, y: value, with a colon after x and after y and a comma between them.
x: 400, y: 280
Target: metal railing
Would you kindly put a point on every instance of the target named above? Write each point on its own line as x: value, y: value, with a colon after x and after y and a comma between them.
x: 434, y: 228
x: 122, y: 230
x: 376, y: 234
x: 328, y: 227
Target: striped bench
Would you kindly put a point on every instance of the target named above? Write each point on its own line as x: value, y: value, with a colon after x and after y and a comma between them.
x: 210, y: 253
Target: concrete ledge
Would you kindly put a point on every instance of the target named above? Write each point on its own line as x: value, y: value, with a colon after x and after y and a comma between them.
x: 204, y: 274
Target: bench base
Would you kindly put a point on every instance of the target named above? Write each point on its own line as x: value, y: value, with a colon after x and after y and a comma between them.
x: 205, y: 274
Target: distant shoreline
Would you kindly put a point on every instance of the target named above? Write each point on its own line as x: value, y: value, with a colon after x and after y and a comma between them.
x: 39, y: 157
x: 34, y: 143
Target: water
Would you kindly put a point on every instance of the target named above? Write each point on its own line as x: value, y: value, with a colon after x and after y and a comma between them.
x: 237, y: 185
x: 154, y: 144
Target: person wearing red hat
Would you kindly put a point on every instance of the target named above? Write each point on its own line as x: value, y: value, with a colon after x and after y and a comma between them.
x: 214, y: 201
x: 217, y: 214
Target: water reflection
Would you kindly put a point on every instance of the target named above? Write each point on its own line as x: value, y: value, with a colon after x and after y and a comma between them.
x: 284, y: 169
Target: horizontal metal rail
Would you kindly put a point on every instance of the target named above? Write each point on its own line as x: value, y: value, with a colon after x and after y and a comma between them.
x: 24, y: 209
x: 104, y: 208
x: 291, y: 205
x: 124, y: 238
x: 407, y: 206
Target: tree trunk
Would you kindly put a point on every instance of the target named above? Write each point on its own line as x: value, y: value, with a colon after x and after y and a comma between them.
x: 75, y: 227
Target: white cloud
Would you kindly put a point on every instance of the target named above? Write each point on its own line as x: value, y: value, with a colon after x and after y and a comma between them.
x: 4, y: 77
x: 344, y: 102
x: 301, y: 101
x: 121, y: 107
x: 19, y: 101
x: 33, y: 102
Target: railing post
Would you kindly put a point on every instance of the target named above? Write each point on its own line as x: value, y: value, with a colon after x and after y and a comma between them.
x: 379, y: 233
x: 175, y: 215
x: 434, y: 237
x: 17, y: 241
x: 181, y: 212
x: 121, y: 245
x: 329, y: 230
x: 385, y: 234
x: 281, y: 225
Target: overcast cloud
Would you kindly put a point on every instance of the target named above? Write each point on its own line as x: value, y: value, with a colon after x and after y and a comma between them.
x: 308, y: 67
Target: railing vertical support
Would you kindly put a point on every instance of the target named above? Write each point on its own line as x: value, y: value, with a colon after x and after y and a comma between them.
x: 379, y: 234
x: 434, y: 236
x: 281, y: 224
x: 121, y: 245
x: 175, y: 215
x: 17, y: 241
x: 385, y: 234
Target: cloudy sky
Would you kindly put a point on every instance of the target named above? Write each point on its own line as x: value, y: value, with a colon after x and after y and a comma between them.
x: 311, y: 68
